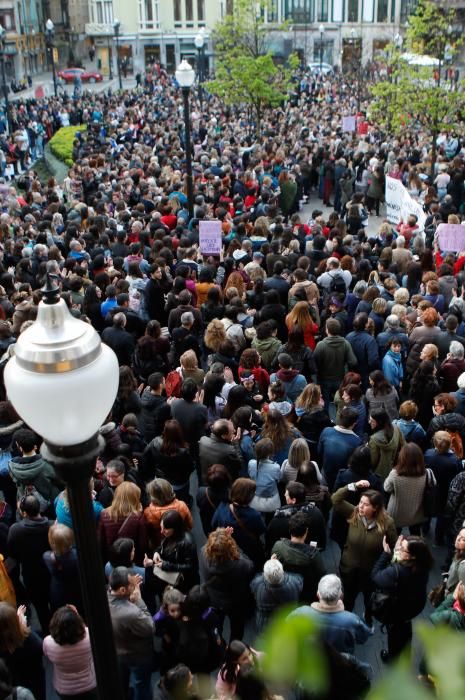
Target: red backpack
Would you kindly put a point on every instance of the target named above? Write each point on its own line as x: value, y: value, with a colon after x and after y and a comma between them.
x: 173, y: 384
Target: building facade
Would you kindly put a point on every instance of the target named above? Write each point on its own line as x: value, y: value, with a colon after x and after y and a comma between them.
x: 150, y: 31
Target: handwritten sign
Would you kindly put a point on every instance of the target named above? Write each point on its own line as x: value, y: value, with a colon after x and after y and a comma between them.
x: 210, y: 237
x: 348, y: 123
x: 451, y: 237
x: 399, y: 204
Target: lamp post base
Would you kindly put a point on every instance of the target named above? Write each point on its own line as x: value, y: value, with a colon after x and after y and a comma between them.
x: 75, y: 465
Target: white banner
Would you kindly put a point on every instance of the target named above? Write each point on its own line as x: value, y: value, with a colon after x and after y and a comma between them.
x: 399, y: 204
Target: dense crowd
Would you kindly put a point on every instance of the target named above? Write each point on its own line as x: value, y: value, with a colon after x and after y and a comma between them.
x: 305, y: 387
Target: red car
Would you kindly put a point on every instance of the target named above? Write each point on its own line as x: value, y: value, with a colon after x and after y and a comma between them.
x: 87, y: 76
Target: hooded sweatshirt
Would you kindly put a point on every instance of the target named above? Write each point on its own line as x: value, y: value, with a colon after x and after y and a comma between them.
x: 267, y: 349
x: 294, y: 383
x: 35, y: 471
x: 384, y: 451
x: 334, y: 356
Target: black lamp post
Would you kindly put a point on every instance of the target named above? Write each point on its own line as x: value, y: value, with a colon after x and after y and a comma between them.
x: 199, y: 42
x: 322, y: 31
x: 110, y: 67
x: 117, y: 27
x: 185, y: 76
x: 4, y: 84
x: 55, y: 358
x: 49, y: 34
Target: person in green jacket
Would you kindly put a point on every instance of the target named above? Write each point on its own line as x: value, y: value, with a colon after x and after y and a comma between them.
x: 368, y: 523
x: 385, y: 443
x: 451, y: 612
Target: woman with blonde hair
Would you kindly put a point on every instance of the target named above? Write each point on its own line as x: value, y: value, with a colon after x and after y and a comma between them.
x: 162, y: 499
x: 299, y: 453
x: 190, y: 367
x: 124, y: 518
x: 311, y: 417
x: 21, y: 650
x: 215, y: 335
x: 62, y: 564
x: 300, y: 316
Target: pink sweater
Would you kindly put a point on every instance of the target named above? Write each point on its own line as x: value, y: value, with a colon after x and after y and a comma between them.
x: 73, y: 666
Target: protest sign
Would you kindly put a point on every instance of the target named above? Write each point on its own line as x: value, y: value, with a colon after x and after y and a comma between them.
x: 348, y: 123
x: 399, y: 204
x: 451, y: 237
x: 210, y: 237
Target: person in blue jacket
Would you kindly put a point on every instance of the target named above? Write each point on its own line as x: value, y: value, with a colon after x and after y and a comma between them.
x: 392, y: 363
x: 365, y: 348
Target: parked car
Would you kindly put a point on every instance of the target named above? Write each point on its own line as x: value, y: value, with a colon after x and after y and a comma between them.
x: 87, y: 76
x: 314, y: 67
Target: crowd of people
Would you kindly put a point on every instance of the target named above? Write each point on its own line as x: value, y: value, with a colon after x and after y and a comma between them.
x: 303, y: 390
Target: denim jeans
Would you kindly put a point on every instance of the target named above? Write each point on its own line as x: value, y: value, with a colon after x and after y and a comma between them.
x: 328, y: 389
x: 138, y: 676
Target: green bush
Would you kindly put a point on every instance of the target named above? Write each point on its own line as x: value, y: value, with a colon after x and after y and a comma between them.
x: 61, y: 144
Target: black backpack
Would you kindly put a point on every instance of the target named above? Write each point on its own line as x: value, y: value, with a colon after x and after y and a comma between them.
x: 338, y: 284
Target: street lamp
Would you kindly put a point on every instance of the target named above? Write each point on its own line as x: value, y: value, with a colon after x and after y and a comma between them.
x: 117, y: 27
x: 4, y: 85
x: 321, y: 29
x: 56, y: 360
x: 199, y: 42
x: 185, y: 76
x: 49, y: 34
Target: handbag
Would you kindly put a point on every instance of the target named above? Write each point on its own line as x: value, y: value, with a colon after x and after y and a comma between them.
x: 383, y: 604
x: 172, y: 578
x: 429, y: 495
x: 437, y: 594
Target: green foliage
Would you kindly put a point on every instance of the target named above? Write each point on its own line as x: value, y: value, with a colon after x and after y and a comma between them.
x: 293, y: 655
x: 245, y: 73
x: 413, y: 98
x: 61, y: 144
x: 244, y: 32
x: 292, y: 652
x: 427, y: 31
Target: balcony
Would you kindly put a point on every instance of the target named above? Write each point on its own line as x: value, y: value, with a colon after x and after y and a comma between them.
x: 97, y: 29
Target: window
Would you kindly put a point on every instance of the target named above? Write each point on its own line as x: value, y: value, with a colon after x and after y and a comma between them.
x: 189, y: 11
x: 327, y: 49
x: 297, y: 11
x: 7, y: 20
x: 200, y: 10
x: 177, y: 10
x: 148, y: 14
x: 323, y: 11
x: 382, y: 13
x: 407, y: 7
x: 352, y: 11
x: 103, y: 12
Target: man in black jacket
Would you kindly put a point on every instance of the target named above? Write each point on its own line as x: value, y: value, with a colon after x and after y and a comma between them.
x: 295, y: 503
x: 27, y: 541
x: 119, y: 340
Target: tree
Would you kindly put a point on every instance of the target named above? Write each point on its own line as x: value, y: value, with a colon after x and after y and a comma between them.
x: 245, y: 73
x: 415, y: 97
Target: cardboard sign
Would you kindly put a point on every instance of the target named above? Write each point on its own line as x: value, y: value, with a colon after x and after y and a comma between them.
x: 451, y: 237
x: 210, y: 237
x: 348, y: 123
x: 399, y: 204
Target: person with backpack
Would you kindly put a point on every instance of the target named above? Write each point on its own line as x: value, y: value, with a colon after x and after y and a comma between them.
x: 199, y: 644
x: 32, y: 474
x: 335, y: 280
